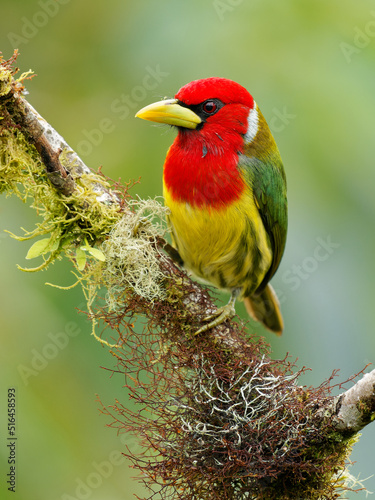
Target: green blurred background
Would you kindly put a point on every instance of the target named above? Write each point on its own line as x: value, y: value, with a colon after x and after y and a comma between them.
x: 311, y: 67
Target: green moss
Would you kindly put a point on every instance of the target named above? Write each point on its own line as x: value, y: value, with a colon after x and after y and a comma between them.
x: 83, y: 227
x: 71, y: 222
x: 5, y: 80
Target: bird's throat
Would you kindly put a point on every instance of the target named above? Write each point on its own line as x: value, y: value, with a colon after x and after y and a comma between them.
x: 202, y: 172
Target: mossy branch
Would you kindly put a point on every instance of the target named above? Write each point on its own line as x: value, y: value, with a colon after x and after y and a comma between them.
x: 218, y: 418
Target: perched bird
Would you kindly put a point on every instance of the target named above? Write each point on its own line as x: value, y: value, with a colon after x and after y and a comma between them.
x: 225, y: 186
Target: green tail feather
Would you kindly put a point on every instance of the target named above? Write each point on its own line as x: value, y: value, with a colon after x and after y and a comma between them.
x: 265, y: 308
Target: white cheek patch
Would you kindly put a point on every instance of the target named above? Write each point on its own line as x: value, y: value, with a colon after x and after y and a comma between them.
x: 252, y: 124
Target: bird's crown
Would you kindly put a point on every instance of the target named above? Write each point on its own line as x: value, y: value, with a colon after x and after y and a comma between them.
x: 227, y: 91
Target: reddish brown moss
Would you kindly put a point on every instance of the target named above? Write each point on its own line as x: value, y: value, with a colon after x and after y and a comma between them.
x: 217, y: 419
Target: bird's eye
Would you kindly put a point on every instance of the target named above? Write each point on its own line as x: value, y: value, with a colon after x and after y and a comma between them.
x: 209, y: 107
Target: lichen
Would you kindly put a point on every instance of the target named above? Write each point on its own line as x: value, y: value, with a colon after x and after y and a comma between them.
x: 132, y: 258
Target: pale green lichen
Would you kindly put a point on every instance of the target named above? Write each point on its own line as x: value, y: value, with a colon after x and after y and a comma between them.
x: 131, y: 259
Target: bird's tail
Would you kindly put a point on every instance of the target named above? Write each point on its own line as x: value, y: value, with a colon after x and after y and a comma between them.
x: 265, y: 307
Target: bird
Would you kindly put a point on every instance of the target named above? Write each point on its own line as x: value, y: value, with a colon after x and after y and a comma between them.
x: 225, y: 186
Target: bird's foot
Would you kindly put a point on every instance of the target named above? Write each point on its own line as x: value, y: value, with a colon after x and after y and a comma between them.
x: 220, y: 315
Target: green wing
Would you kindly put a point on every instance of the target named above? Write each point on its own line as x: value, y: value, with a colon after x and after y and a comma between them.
x: 267, y: 178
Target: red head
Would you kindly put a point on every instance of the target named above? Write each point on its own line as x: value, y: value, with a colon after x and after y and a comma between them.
x: 212, y: 119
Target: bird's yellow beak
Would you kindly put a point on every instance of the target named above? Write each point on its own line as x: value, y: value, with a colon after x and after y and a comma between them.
x: 171, y: 113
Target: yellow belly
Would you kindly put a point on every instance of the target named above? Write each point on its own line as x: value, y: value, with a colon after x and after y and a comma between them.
x: 227, y: 247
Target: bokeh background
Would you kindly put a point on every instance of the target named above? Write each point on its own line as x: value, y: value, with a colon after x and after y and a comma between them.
x: 311, y: 67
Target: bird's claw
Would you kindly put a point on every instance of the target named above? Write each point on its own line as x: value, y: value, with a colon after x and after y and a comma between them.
x: 222, y: 314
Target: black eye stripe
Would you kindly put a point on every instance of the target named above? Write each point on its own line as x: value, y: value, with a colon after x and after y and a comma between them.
x: 206, y: 108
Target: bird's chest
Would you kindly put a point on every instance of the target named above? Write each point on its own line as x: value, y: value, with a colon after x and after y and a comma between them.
x: 226, y: 246
x: 202, y: 171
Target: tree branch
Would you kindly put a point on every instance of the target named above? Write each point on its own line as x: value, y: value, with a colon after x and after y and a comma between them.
x: 228, y: 422
x: 355, y: 408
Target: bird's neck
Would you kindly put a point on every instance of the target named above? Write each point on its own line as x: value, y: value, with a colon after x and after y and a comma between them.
x: 201, y: 168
